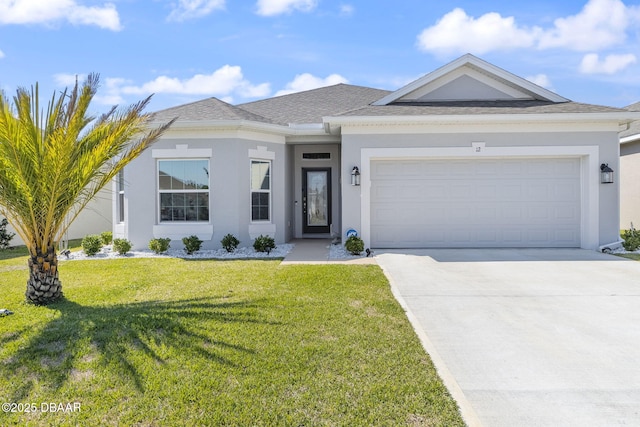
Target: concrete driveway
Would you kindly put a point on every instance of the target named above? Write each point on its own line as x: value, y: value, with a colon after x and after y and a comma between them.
x: 531, y: 337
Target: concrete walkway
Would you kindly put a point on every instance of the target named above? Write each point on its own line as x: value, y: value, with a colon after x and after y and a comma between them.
x: 530, y: 337
x: 316, y: 251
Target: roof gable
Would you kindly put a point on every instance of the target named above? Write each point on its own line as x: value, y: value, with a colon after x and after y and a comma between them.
x: 469, y: 78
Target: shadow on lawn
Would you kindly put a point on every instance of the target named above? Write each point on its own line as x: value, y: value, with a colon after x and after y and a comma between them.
x: 115, y: 334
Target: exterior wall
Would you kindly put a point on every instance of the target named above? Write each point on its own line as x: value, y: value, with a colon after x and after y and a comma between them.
x: 229, y: 197
x: 629, y: 177
x: 334, y: 165
x: 94, y: 219
x: 596, y: 146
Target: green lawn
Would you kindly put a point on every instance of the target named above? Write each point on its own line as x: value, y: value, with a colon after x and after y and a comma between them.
x: 160, y: 342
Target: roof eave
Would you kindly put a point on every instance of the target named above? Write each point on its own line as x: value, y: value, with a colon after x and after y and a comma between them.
x: 286, y: 130
x: 621, y: 118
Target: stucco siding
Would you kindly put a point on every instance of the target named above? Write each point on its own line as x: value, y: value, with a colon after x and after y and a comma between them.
x: 229, y: 193
x: 629, y: 185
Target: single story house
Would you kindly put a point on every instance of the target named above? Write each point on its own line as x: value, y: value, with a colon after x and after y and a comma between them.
x: 630, y: 173
x: 469, y: 155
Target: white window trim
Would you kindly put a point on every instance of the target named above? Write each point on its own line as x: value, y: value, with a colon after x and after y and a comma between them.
x: 270, y: 192
x: 120, y: 208
x: 159, y: 192
x: 182, y: 151
x: 258, y: 228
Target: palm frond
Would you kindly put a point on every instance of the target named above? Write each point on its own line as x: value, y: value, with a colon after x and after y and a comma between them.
x: 53, y: 162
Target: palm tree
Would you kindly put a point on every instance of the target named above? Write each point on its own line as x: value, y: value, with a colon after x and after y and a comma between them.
x: 53, y: 163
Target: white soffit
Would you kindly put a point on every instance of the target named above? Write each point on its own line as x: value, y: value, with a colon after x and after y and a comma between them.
x: 485, y: 81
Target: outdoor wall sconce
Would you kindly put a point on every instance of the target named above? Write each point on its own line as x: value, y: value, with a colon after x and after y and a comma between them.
x: 355, y: 176
x: 606, y: 174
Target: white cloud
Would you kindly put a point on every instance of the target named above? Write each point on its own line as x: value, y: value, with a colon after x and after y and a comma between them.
x: 307, y: 81
x: 50, y: 11
x: 278, y: 7
x: 222, y: 82
x: 458, y: 32
x: 591, y: 63
x: 188, y: 9
x: 541, y: 80
x: 1, y: 54
x: 346, y: 10
x: 66, y: 79
x: 600, y: 24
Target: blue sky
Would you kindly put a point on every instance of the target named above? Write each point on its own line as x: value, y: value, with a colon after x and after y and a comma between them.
x: 239, y: 51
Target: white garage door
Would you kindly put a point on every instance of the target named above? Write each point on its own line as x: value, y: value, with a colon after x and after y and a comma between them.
x: 475, y: 203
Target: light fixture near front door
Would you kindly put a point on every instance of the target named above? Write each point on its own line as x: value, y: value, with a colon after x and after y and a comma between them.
x: 355, y: 176
x: 606, y: 174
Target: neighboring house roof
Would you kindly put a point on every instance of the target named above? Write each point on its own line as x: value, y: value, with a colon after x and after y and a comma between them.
x: 633, y: 132
x: 312, y: 105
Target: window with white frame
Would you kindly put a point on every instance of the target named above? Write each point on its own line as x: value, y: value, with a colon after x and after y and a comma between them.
x: 183, y: 187
x: 120, y: 200
x: 260, y: 190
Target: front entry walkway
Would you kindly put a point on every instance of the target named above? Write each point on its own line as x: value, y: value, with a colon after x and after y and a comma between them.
x: 527, y: 337
x: 317, y: 251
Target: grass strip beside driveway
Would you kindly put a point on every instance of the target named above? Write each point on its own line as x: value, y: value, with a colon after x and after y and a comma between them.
x: 175, y: 342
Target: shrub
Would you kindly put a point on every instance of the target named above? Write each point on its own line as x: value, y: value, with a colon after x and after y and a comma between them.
x: 91, y: 244
x: 191, y: 244
x: 230, y: 243
x: 631, y: 239
x: 160, y: 245
x: 264, y: 244
x: 354, y: 245
x: 106, y: 237
x: 5, y: 236
x: 122, y: 246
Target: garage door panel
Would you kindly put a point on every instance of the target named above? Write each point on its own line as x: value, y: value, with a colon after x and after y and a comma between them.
x: 475, y: 203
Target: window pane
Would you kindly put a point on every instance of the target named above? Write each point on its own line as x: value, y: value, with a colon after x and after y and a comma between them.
x: 183, y: 174
x: 120, y: 207
x: 260, y: 175
x: 259, y: 206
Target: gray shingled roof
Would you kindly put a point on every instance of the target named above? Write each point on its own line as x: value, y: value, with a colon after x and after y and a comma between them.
x: 349, y: 101
x: 312, y: 105
x: 634, y: 128
x: 207, y: 109
x: 479, y: 107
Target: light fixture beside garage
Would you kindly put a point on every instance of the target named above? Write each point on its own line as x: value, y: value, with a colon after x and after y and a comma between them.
x: 355, y: 176
x: 606, y: 174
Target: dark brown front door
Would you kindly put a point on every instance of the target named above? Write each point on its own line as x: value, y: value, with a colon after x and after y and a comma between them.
x: 316, y: 200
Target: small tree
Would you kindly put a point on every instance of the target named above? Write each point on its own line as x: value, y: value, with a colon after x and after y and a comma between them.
x: 5, y: 236
x: 54, y: 161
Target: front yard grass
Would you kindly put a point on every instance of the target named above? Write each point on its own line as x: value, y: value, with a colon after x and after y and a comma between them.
x: 160, y: 342
x: 633, y: 256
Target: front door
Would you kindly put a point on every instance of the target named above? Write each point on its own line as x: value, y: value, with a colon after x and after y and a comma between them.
x: 316, y: 200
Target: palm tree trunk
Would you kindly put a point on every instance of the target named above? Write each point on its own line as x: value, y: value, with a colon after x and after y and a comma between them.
x: 43, y: 286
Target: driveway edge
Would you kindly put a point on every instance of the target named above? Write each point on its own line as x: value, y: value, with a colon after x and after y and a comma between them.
x: 466, y: 410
